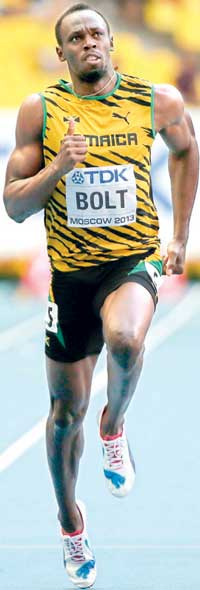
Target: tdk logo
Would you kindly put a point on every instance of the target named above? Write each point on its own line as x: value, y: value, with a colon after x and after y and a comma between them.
x: 77, y: 177
x: 106, y: 176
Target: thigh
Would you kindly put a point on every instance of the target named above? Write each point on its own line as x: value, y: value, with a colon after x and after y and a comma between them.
x: 128, y: 309
x: 73, y: 331
x: 145, y: 271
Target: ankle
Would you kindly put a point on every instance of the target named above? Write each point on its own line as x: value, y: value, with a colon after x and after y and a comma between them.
x: 110, y: 429
x: 74, y: 534
x: 72, y: 524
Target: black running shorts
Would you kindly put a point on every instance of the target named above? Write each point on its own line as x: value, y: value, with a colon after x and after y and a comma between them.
x: 73, y: 323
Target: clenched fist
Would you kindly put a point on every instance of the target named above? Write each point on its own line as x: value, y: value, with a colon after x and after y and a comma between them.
x: 173, y: 262
x: 73, y: 150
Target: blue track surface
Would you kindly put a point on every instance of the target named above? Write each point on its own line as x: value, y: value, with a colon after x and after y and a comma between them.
x: 148, y: 541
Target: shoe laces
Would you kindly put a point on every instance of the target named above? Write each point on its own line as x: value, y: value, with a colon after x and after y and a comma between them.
x: 114, y: 451
x: 74, y: 547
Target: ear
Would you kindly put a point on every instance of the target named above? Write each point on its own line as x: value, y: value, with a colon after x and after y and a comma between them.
x: 111, y: 44
x: 59, y: 52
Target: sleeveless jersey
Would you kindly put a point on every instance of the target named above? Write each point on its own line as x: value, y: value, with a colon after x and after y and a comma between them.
x: 103, y: 209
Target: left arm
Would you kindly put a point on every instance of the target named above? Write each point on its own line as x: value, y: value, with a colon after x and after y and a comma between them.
x: 176, y: 128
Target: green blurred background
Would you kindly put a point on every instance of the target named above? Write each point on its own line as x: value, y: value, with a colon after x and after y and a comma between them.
x: 158, y: 40
x: 155, y: 39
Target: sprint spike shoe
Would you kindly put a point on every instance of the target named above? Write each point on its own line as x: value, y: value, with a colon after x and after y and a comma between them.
x: 79, y: 560
x: 118, y: 464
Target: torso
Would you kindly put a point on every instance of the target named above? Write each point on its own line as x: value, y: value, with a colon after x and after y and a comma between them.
x: 104, y: 209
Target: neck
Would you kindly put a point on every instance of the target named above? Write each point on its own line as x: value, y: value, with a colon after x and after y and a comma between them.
x: 102, y: 86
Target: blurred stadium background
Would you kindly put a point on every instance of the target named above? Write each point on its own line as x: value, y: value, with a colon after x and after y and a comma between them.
x: 157, y: 40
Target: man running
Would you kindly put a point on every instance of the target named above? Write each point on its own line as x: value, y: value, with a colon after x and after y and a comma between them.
x: 83, y: 154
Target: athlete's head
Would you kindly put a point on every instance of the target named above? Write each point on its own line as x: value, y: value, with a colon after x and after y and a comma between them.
x: 84, y: 41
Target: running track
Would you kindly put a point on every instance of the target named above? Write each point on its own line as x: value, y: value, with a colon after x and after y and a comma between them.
x: 147, y: 541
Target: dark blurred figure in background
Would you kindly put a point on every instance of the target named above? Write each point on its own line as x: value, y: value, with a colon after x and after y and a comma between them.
x: 9, y: 7
x: 187, y: 77
x: 132, y: 11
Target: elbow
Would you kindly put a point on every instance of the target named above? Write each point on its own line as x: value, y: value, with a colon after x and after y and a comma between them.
x: 11, y: 211
x: 17, y: 219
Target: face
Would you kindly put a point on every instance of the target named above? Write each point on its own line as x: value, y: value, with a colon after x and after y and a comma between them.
x: 85, y: 45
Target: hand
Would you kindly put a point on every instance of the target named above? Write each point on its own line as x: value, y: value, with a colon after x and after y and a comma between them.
x: 173, y: 262
x: 73, y: 149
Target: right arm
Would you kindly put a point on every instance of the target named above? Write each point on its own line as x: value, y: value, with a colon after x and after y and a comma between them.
x: 28, y: 184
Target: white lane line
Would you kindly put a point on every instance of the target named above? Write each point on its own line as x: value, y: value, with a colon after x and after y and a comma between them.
x: 22, y: 444
x: 24, y: 330
x: 181, y: 313
x: 30, y: 438
x: 187, y: 308
x: 107, y: 547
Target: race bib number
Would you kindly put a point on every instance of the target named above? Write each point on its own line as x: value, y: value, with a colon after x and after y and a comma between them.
x: 101, y: 196
x: 51, y: 319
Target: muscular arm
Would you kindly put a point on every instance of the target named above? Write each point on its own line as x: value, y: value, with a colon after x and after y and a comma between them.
x: 175, y: 127
x: 29, y: 184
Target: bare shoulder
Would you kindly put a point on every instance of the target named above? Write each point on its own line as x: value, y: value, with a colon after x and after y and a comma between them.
x: 169, y: 106
x: 27, y: 156
x: 30, y: 120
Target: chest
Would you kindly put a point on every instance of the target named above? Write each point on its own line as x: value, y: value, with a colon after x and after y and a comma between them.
x: 112, y: 130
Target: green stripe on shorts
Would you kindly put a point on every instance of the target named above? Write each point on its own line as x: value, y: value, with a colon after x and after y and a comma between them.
x: 140, y: 267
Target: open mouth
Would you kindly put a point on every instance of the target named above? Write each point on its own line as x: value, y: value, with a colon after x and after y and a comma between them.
x: 92, y: 58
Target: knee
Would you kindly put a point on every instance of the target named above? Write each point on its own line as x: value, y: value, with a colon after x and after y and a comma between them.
x: 68, y: 414
x: 126, y: 347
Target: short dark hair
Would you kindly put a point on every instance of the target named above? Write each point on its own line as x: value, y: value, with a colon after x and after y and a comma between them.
x: 70, y: 10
